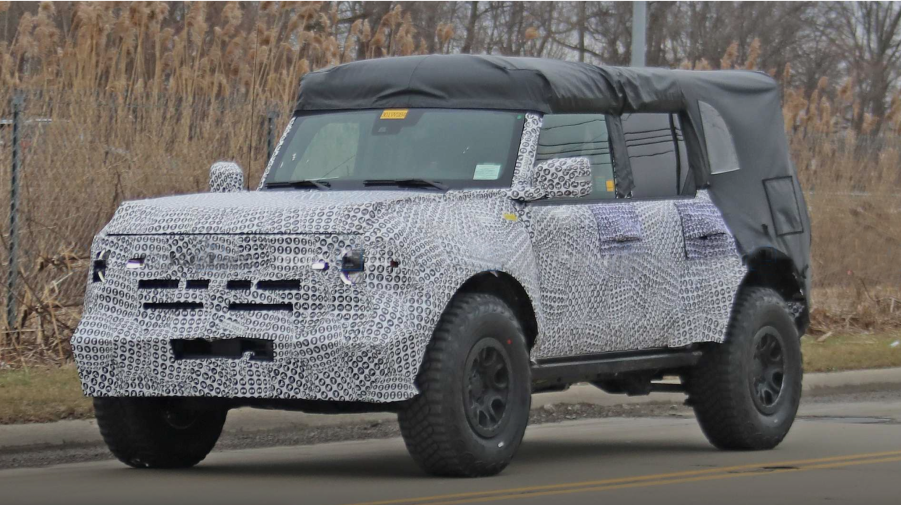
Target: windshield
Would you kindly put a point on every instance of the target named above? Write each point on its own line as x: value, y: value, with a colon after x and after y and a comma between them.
x: 366, y: 148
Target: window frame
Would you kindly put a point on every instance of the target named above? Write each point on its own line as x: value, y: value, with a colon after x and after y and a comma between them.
x: 622, y: 168
x: 610, y: 136
x: 715, y: 117
x: 504, y: 182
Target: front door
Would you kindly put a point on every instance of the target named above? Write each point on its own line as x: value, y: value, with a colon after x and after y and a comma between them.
x: 614, y: 270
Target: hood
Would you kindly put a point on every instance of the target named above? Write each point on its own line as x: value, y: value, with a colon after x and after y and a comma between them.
x: 256, y: 212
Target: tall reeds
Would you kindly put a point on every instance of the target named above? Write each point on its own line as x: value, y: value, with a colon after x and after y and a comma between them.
x: 141, y: 105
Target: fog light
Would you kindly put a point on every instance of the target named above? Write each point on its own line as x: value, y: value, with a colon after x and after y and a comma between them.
x: 351, y: 263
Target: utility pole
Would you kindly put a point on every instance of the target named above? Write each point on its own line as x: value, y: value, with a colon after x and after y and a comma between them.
x: 639, y: 33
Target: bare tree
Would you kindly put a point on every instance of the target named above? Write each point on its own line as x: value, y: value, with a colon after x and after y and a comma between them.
x: 868, y: 39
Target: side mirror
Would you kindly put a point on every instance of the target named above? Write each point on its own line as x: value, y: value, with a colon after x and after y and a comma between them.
x: 558, y: 178
x: 226, y: 177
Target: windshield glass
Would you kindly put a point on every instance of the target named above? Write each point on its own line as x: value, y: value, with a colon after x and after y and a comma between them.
x: 347, y: 150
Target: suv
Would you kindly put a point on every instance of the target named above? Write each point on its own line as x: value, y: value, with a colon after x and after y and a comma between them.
x: 443, y: 236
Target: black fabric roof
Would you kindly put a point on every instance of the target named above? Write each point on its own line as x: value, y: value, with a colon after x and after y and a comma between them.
x: 749, y: 102
x: 497, y: 82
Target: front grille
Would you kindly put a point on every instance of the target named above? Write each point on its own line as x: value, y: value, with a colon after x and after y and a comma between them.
x: 274, y: 285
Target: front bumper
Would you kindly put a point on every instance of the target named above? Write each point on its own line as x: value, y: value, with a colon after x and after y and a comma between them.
x: 331, y: 341
x: 327, y: 367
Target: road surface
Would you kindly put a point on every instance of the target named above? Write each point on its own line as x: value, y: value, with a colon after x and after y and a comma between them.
x: 845, y: 452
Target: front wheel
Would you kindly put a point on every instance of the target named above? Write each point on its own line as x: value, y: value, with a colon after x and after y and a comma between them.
x: 159, y: 432
x: 745, y: 392
x: 475, y: 391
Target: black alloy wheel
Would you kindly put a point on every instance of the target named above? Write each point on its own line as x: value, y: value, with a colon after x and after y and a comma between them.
x: 767, y: 370
x: 487, y: 387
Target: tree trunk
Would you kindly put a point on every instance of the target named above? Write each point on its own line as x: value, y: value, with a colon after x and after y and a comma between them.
x: 471, y: 28
x: 581, y: 26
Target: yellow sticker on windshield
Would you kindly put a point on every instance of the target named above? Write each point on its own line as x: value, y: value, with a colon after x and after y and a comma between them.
x: 394, y: 114
x: 609, y: 185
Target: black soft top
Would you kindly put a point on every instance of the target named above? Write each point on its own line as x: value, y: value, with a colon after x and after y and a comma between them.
x: 762, y: 201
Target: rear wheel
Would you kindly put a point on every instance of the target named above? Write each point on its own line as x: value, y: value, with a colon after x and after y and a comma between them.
x: 159, y: 432
x: 746, y: 391
x: 475, y: 391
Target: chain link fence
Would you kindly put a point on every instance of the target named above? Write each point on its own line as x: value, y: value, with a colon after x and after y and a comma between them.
x: 68, y: 160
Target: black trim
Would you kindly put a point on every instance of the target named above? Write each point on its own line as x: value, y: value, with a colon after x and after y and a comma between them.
x: 229, y: 348
x: 238, y: 285
x: 244, y: 307
x: 672, y: 126
x: 622, y: 168
x: 597, y: 366
x: 158, y: 284
x: 173, y: 306
x: 279, y: 285
x: 197, y: 284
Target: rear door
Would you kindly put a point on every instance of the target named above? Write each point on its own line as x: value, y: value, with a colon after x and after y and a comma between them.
x: 694, y: 268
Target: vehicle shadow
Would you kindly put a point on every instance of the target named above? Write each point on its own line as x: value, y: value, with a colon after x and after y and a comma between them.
x: 396, y: 464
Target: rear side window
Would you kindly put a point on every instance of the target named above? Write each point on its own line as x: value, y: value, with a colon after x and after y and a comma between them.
x: 720, y: 147
x: 580, y: 135
x: 655, y: 154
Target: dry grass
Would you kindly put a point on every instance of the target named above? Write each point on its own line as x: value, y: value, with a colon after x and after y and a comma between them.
x: 46, y: 394
x: 39, y: 395
x: 141, y: 106
x: 851, y: 351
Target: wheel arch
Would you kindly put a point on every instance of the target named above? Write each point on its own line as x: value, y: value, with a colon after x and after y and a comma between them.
x: 771, y: 268
x: 512, y: 292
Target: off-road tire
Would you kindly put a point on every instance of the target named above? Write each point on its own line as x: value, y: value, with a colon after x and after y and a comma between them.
x: 137, y: 431
x: 435, y: 424
x: 719, y: 387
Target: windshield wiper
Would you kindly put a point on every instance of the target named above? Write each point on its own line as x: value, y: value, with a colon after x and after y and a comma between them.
x: 323, y: 185
x: 406, y: 183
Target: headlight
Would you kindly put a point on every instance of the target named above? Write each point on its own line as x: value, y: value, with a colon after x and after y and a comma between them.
x: 352, y: 261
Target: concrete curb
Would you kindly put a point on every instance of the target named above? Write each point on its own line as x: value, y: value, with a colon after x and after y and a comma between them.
x: 25, y: 436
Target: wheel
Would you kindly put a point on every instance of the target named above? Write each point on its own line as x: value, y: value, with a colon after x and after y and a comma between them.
x: 745, y: 392
x: 159, y: 432
x: 475, y: 391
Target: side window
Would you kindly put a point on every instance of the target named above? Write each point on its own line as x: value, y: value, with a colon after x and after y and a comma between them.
x: 720, y: 148
x: 655, y: 149
x: 580, y: 135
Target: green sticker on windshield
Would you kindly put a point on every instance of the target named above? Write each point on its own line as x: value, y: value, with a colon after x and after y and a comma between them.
x: 487, y: 172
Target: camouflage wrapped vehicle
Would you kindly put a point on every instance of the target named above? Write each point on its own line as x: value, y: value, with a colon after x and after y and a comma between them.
x: 443, y: 236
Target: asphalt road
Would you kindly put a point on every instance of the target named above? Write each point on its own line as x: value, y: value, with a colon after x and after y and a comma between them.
x: 844, y: 452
